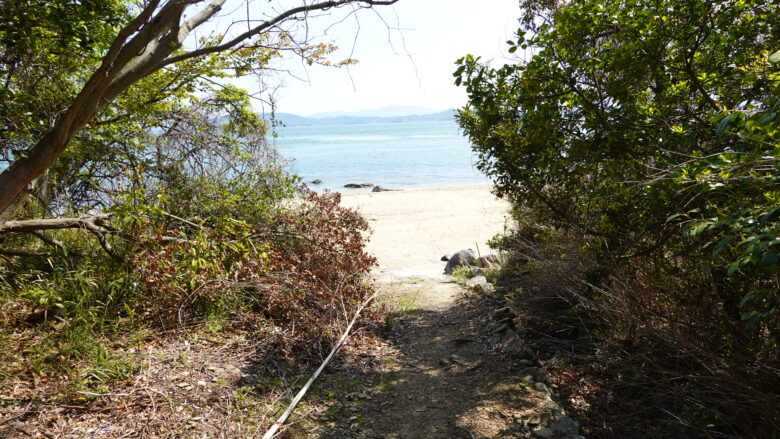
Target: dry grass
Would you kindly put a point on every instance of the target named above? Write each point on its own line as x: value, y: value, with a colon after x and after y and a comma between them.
x: 634, y: 351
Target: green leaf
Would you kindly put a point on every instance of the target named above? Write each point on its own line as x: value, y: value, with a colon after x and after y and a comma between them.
x: 770, y: 258
x: 770, y: 216
x: 724, y: 124
x: 675, y: 216
x: 700, y: 228
x: 775, y: 57
x: 769, y: 118
x: 721, y: 246
x: 751, y: 318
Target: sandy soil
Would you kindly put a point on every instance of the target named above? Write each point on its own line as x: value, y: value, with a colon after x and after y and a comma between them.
x: 414, y: 228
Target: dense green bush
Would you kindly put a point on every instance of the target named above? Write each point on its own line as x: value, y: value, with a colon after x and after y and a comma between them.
x: 648, y: 130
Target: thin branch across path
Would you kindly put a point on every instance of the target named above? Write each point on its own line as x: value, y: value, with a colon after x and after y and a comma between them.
x: 290, y: 408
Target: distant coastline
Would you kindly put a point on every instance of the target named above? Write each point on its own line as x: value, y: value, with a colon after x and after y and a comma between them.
x: 292, y: 120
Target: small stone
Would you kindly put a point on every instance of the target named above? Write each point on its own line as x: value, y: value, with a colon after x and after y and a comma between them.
x: 487, y: 288
x: 445, y: 258
x: 538, y: 373
x: 316, y: 181
x: 475, y: 281
x: 445, y: 362
x: 514, y: 347
x: 529, y: 379
x: 513, y: 427
x: 566, y: 425
x: 201, y: 383
x: 552, y: 406
x: 544, y: 433
x: 541, y: 387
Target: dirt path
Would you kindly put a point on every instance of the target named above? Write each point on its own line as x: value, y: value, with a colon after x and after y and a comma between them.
x: 441, y: 375
x: 440, y: 371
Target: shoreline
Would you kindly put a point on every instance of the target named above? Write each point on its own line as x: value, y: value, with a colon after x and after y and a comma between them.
x: 413, y: 229
x: 352, y: 191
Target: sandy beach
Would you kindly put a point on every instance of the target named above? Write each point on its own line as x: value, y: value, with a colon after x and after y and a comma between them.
x: 412, y: 229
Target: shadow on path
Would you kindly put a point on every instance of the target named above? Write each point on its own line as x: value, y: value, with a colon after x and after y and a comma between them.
x: 443, y: 378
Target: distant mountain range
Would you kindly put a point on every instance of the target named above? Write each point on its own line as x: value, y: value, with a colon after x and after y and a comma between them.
x: 392, y: 111
x: 362, y: 118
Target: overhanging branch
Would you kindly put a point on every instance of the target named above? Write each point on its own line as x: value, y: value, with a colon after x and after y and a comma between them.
x: 265, y: 26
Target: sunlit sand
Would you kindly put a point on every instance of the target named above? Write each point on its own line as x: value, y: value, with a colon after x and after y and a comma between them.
x: 412, y: 229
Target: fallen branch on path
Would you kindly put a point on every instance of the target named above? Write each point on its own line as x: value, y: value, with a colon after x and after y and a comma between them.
x: 282, y: 419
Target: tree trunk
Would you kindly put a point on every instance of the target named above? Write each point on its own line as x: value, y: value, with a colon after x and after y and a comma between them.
x: 16, y: 178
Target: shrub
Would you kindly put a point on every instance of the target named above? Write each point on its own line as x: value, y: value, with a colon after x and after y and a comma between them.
x: 644, y: 136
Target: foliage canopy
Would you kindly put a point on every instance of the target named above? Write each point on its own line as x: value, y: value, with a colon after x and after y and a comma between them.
x: 642, y: 124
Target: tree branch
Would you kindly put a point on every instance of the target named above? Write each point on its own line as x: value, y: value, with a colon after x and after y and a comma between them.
x: 268, y: 24
x: 35, y: 225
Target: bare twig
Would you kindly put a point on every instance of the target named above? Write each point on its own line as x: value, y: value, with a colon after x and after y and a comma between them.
x: 282, y: 419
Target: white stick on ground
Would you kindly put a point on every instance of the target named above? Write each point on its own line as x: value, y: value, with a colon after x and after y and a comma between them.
x: 282, y: 419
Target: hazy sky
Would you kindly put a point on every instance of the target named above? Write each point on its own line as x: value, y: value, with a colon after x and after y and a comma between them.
x: 411, y: 65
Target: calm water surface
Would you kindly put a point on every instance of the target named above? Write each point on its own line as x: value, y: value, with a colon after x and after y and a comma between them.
x: 401, y: 155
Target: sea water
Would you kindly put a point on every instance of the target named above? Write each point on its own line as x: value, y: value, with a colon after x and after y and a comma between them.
x: 394, y: 155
